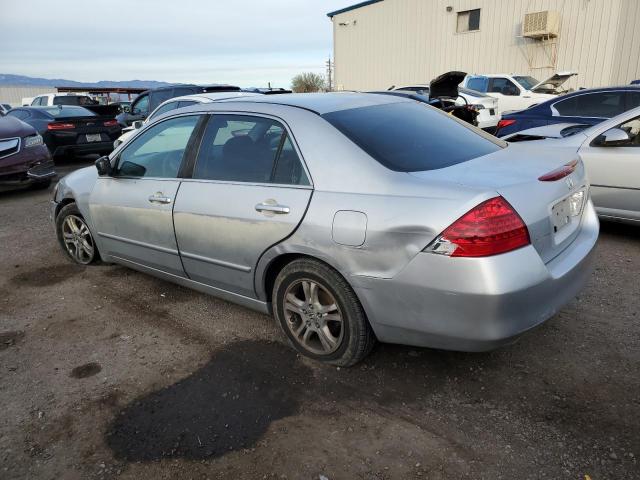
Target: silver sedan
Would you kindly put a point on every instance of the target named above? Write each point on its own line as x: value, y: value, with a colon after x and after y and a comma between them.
x: 349, y: 217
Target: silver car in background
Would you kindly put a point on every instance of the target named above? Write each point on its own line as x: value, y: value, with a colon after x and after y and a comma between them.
x: 611, y: 154
x: 349, y: 217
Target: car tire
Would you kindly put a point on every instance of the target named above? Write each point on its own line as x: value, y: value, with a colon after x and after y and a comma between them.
x: 305, y: 293
x: 75, y: 237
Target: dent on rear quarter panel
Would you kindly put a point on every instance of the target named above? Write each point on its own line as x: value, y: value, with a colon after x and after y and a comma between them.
x: 78, y: 186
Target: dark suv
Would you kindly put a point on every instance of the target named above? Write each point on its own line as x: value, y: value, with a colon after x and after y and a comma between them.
x: 147, y: 101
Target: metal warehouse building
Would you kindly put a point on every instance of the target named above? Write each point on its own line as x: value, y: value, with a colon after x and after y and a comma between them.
x: 380, y: 43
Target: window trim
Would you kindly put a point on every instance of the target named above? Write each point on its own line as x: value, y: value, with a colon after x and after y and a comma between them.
x: 189, y: 174
x: 555, y: 113
x: 188, y: 151
x: 469, y: 12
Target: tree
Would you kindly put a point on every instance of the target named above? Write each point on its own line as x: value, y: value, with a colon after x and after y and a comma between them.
x: 308, y: 82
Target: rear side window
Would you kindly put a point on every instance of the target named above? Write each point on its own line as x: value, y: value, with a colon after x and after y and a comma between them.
x: 69, y: 111
x: 634, y: 100
x: 479, y: 84
x: 19, y: 114
x: 239, y: 148
x: 410, y: 136
x: 186, y: 103
x: 603, y: 105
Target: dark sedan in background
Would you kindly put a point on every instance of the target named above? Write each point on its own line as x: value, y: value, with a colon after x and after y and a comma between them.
x: 24, y: 159
x: 71, y: 130
x: 585, y: 107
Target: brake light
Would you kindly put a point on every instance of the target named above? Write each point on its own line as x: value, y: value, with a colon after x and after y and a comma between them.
x: 60, y: 126
x: 504, y: 123
x: 110, y: 123
x: 558, y: 173
x: 491, y: 228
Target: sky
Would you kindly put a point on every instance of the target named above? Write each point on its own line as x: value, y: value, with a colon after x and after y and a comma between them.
x: 242, y: 42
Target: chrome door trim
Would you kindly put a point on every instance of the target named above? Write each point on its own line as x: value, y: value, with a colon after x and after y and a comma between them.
x: 221, y: 263
x: 252, y: 303
x: 18, y: 141
x: 138, y: 243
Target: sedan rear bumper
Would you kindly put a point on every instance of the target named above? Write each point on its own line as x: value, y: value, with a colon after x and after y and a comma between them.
x: 84, y: 149
x: 476, y: 304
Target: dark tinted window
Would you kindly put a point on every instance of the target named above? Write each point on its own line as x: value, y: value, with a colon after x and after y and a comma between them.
x: 248, y: 149
x: 633, y: 99
x: 186, y: 103
x: 158, y: 151
x: 411, y: 136
x: 73, y: 100
x: 603, y: 104
x: 181, y: 91
x: 159, y: 97
x: 140, y: 106
x: 480, y: 84
x: 164, y: 108
x: 503, y: 86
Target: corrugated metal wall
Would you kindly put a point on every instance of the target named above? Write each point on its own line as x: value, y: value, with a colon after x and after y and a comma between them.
x: 14, y: 95
x: 393, y: 42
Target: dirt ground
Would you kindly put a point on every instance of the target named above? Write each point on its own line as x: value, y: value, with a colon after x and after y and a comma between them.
x: 109, y: 373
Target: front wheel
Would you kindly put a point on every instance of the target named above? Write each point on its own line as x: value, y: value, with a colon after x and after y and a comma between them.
x: 320, y: 314
x: 74, y: 235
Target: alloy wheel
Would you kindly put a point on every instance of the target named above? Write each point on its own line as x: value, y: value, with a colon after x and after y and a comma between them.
x: 77, y: 239
x: 313, y: 317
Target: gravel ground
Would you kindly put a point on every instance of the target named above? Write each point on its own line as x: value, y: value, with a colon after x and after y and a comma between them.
x: 108, y: 373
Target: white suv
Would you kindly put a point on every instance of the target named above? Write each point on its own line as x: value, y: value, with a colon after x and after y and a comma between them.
x: 517, y: 92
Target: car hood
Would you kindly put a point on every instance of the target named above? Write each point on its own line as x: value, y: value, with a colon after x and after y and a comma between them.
x: 553, y: 82
x: 12, y: 127
x: 446, y: 85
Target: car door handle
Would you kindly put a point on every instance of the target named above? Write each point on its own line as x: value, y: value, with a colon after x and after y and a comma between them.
x: 272, y: 207
x: 159, y: 198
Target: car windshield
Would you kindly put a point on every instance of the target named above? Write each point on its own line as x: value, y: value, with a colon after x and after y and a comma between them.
x: 64, y: 112
x: 526, y: 82
x: 411, y: 136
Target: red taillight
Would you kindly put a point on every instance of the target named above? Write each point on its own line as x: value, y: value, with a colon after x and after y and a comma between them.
x: 504, y: 123
x: 110, y: 123
x: 558, y: 173
x: 60, y: 126
x: 491, y: 228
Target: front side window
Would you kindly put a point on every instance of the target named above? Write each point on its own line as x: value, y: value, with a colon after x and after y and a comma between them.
x: 527, y: 82
x: 600, y: 105
x: 241, y: 148
x: 468, y: 21
x: 158, y: 151
x: 504, y: 86
x: 479, y: 84
x: 163, y: 109
x: 141, y: 106
x: 632, y: 127
x: 410, y: 136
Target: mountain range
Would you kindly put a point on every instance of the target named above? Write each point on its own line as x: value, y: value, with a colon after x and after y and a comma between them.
x: 22, y: 80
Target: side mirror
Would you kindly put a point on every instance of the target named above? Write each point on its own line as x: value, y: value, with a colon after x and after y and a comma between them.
x: 612, y: 138
x: 137, y: 124
x: 103, y: 165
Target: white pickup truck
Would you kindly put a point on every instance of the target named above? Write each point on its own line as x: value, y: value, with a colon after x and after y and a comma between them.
x: 517, y: 92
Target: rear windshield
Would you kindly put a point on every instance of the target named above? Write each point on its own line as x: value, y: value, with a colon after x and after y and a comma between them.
x: 73, y: 100
x: 411, y: 136
x: 68, y: 112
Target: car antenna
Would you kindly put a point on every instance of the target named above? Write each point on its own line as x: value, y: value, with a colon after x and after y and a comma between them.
x: 391, y: 87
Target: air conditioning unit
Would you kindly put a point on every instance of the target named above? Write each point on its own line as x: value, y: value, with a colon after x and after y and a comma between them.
x: 541, y: 24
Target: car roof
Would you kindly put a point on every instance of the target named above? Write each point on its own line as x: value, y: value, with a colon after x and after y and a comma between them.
x: 322, y: 103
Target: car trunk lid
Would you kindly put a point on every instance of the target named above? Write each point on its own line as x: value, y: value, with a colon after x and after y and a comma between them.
x: 545, y: 206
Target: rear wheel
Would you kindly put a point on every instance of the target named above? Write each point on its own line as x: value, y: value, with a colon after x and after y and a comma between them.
x: 320, y: 314
x: 74, y: 235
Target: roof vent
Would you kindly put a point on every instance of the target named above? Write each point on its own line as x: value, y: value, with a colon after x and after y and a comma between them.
x: 544, y: 24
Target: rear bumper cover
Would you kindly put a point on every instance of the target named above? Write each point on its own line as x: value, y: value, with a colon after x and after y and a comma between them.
x: 476, y: 304
x: 84, y: 148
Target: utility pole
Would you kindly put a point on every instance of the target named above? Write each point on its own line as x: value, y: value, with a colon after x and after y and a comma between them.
x: 330, y: 67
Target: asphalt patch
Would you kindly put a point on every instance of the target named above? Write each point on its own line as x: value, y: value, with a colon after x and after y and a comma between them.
x: 86, y: 370
x: 226, y: 405
x: 8, y: 339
